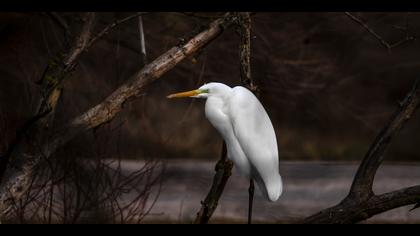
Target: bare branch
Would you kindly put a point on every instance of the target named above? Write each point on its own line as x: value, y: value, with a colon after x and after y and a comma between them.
x: 223, y: 171
x: 371, y: 31
x: 245, y: 51
x: 348, y: 211
x: 392, y: 200
x: 377, y: 36
x: 361, y: 203
x: 108, y: 28
x: 363, y: 181
x: 82, y: 42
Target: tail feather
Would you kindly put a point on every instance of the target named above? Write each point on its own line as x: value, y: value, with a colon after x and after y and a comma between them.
x: 272, y: 188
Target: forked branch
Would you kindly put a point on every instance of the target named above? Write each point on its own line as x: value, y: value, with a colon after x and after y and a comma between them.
x: 361, y: 203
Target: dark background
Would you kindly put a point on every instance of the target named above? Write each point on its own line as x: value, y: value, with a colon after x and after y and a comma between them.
x: 327, y: 84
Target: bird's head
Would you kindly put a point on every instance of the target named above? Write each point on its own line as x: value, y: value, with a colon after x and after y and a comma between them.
x: 210, y: 89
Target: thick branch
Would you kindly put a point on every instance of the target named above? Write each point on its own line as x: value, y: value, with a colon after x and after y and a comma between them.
x: 392, y: 200
x: 349, y: 212
x: 361, y: 203
x: 363, y: 181
x: 15, y: 184
x: 223, y: 171
x: 245, y: 50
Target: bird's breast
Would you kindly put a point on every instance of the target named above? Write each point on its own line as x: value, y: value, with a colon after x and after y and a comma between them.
x: 216, y: 114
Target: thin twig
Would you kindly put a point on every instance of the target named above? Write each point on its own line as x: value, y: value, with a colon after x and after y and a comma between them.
x: 108, y: 28
x: 371, y: 31
x: 60, y: 21
x: 377, y: 36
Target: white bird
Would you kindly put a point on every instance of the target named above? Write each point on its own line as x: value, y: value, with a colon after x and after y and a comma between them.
x: 247, y: 131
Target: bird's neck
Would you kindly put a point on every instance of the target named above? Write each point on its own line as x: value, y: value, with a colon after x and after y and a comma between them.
x: 216, y: 113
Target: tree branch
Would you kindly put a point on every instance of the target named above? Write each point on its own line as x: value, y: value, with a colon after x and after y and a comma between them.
x: 245, y: 51
x: 108, y: 28
x: 392, y: 200
x: 368, y: 29
x: 223, y: 171
x: 377, y: 36
x: 349, y: 212
x: 361, y: 203
x: 362, y: 184
x: 19, y: 176
x: 82, y: 42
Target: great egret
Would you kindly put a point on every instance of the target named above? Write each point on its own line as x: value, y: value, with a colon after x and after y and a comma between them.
x: 249, y: 135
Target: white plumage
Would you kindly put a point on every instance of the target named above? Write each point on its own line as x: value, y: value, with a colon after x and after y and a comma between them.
x: 248, y: 132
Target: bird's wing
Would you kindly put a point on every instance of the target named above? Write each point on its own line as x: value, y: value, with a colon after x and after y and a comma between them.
x: 255, y: 134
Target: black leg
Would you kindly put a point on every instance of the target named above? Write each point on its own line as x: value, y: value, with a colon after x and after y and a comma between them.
x: 251, y: 199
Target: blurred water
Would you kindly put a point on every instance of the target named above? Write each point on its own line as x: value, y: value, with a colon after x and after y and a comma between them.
x: 308, y: 188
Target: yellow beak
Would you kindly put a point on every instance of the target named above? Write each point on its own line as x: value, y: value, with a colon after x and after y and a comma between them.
x: 185, y: 94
